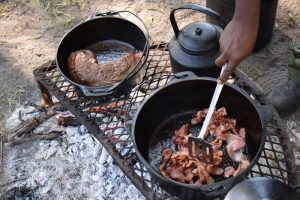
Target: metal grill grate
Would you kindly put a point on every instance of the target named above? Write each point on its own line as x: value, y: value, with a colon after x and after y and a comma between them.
x: 110, y: 122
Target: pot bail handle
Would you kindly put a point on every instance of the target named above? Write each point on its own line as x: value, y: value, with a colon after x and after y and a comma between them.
x: 297, y: 187
x: 144, y: 25
x: 146, y: 33
x: 143, y: 29
x: 112, y: 13
x: 102, y: 14
x: 96, y: 92
x: 214, y: 15
x: 182, y: 76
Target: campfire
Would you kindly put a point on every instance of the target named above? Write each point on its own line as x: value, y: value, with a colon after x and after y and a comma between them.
x: 62, y: 155
x: 89, y: 140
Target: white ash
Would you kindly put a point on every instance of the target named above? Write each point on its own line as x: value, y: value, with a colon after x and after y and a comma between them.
x: 49, y: 126
x: 22, y: 113
x: 73, y: 166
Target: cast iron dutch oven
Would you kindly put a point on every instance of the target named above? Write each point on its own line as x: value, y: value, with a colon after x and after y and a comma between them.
x: 263, y: 188
x: 102, y: 27
x: 166, y: 109
x: 195, y: 47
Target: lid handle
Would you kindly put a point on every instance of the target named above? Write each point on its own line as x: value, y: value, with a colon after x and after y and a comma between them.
x: 199, y: 8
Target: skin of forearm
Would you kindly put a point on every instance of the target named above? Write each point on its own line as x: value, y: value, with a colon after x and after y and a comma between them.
x: 247, y: 11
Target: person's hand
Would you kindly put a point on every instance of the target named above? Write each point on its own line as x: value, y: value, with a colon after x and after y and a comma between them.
x: 239, y: 37
x: 236, y: 43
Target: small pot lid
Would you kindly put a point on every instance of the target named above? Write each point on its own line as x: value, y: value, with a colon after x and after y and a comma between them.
x: 198, y: 37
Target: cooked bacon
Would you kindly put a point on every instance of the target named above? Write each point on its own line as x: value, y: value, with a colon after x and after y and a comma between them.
x: 235, y: 147
x: 223, y: 125
x: 214, y: 170
x: 166, y: 155
x: 221, y: 111
x: 182, y: 167
x: 242, y: 133
x: 189, y: 177
x: 199, y: 117
x: 216, y: 145
x: 181, y: 136
x: 176, y: 173
x: 179, y: 157
x: 230, y: 171
x: 203, y: 174
x: 244, y: 163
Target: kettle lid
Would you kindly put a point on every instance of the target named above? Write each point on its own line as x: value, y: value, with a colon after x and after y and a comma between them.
x: 199, y: 37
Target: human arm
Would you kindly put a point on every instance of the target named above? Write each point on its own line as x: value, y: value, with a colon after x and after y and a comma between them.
x: 238, y: 38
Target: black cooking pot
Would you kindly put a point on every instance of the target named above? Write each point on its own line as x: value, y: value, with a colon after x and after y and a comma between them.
x: 263, y: 188
x: 196, y: 46
x: 110, y: 26
x: 174, y: 104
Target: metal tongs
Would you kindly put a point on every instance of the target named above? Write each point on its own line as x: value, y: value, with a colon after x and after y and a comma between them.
x: 197, y: 146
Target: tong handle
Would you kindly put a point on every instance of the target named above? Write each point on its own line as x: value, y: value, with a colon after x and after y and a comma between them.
x: 212, y: 106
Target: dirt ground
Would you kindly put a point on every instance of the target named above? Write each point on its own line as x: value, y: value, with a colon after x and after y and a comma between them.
x: 30, y: 31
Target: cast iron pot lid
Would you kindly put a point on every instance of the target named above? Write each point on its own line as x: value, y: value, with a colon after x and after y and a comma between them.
x: 198, y: 37
x: 262, y: 188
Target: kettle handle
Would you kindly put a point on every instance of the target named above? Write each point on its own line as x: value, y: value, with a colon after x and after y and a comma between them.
x: 199, y: 8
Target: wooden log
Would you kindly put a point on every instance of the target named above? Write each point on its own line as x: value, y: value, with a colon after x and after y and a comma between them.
x: 49, y: 136
x: 28, y: 126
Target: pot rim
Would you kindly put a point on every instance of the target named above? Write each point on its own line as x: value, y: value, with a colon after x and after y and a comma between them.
x: 207, y: 188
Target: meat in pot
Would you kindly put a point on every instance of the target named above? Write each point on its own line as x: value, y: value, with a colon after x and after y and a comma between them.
x: 84, y: 69
x: 228, y: 142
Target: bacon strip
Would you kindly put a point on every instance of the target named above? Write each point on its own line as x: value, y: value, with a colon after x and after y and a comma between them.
x: 182, y: 167
x: 166, y: 155
x: 181, y: 136
x: 235, y: 147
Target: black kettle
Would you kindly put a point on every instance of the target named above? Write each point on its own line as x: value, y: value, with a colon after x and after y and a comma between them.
x: 196, y: 46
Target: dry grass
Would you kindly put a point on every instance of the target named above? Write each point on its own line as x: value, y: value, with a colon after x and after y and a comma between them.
x: 5, y: 7
x: 286, y: 19
x: 15, y: 98
x: 57, y: 9
x: 252, y: 70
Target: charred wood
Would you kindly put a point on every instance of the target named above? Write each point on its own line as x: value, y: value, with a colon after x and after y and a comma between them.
x: 27, y: 126
x: 67, y: 121
x: 49, y: 136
